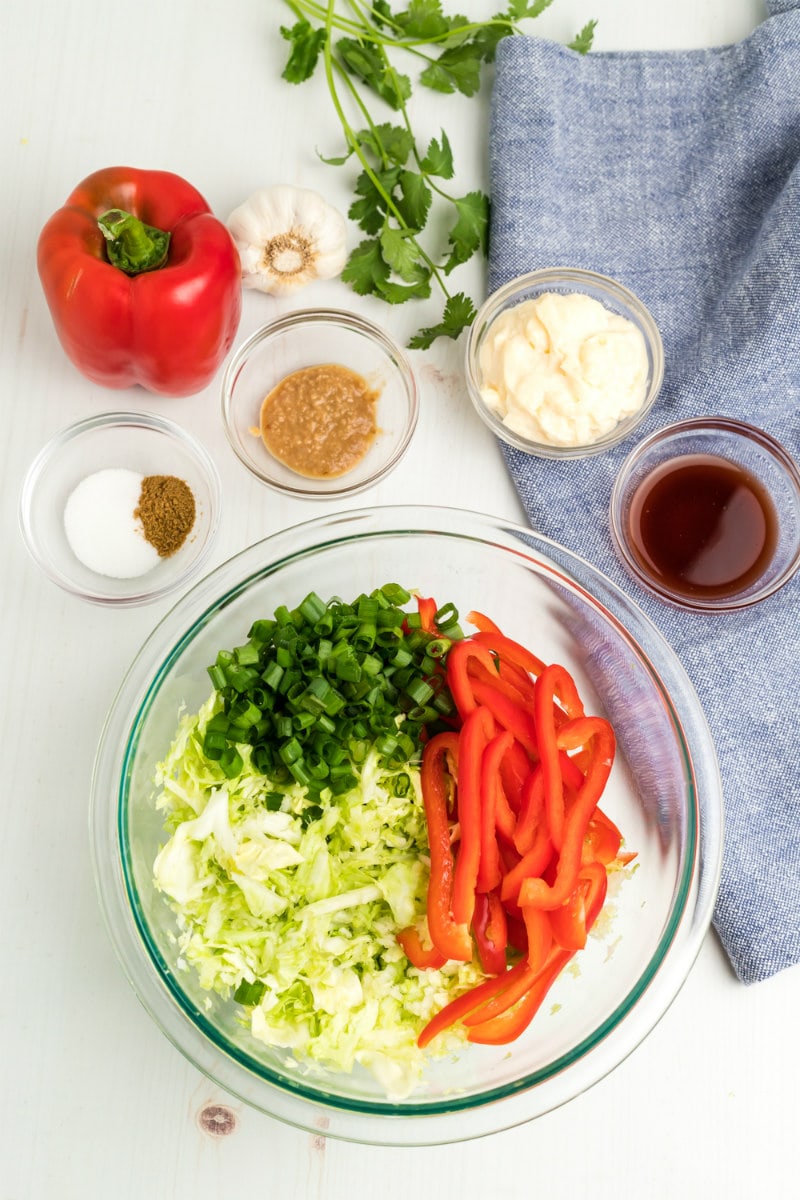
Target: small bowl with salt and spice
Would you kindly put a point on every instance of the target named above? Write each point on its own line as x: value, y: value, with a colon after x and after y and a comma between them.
x: 705, y: 514
x: 563, y: 363
x: 120, y: 508
x: 319, y: 403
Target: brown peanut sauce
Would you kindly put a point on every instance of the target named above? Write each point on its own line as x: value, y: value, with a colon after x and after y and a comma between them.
x: 319, y: 421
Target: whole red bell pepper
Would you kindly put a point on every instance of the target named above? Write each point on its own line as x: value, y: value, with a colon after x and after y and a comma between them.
x: 142, y: 281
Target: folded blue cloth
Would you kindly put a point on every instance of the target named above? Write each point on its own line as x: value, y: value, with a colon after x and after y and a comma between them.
x: 677, y: 173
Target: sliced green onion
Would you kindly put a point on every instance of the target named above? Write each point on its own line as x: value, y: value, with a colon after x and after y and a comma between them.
x: 246, y: 655
x: 291, y: 751
x: 261, y: 631
x: 316, y: 686
x: 273, y: 674
x: 299, y: 772
x: 312, y: 609
x: 446, y: 615
x: 249, y: 993
x: 217, y: 677
x: 312, y: 813
x: 231, y: 762
x: 395, y: 594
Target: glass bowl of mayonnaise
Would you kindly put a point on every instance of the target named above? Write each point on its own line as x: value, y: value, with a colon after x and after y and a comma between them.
x: 563, y: 363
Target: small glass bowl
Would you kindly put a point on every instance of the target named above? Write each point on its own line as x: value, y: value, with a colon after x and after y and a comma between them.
x: 141, y: 442
x: 566, y: 281
x: 307, y: 338
x: 736, y: 442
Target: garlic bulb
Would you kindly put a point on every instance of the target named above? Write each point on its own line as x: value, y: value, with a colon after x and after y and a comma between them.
x: 288, y: 237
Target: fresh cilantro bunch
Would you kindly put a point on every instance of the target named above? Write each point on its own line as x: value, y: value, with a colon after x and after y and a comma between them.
x: 400, y: 183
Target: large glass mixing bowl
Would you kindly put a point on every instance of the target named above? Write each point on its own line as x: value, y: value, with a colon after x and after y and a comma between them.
x: 664, y: 793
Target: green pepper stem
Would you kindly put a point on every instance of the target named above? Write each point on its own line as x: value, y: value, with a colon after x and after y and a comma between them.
x: 130, y: 244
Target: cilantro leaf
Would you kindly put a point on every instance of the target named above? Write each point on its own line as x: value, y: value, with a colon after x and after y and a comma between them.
x: 485, y: 40
x: 415, y: 200
x: 306, y: 46
x: 423, y: 19
x: 370, y: 211
x: 469, y: 233
x: 403, y: 255
x: 382, y: 14
x: 374, y: 69
x: 457, y: 69
x: 459, y: 312
x: 365, y: 270
x: 398, y: 293
x: 438, y: 158
x: 520, y: 10
x: 389, y: 143
x: 582, y: 42
x: 335, y: 160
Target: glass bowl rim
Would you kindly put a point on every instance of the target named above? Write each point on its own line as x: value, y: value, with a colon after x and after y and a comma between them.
x: 497, y: 301
x: 702, y: 864
x: 700, y: 425
x: 332, y: 317
x: 146, y: 421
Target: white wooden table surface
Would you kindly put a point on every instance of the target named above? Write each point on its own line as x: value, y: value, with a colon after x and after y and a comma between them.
x: 94, y: 1102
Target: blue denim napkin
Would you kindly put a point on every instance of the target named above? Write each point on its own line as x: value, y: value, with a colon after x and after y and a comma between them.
x: 677, y: 173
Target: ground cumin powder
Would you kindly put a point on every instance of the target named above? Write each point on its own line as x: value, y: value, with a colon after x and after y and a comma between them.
x: 166, y: 510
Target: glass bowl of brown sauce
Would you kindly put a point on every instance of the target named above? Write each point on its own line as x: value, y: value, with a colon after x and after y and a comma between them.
x: 319, y: 403
x: 706, y: 514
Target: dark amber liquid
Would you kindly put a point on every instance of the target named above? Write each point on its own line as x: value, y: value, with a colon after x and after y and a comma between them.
x: 703, y: 527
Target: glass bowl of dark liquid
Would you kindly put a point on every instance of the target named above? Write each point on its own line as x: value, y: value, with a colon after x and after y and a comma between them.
x: 706, y: 514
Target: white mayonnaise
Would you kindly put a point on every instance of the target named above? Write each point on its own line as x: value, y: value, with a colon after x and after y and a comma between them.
x: 562, y: 369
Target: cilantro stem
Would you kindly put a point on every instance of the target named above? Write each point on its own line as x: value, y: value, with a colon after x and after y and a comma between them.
x: 307, y: 8
x: 367, y: 31
x: 358, y: 41
x: 353, y: 141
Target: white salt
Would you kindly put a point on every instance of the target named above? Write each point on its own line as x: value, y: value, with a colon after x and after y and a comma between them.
x: 101, y: 528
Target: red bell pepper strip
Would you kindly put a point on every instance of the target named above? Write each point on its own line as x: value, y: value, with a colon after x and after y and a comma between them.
x: 450, y: 937
x: 517, y: 933
x: 426, y: 606
x: 514, y: 770
x: 530, y: 818
x: 505, y: 820
x: 506, y: 1027
x: 458, y: 676
x: 511, y: 687
x: 482, y: 622
x: 570, y: 923
x: 489, y: 868
x: 554, y: 679
x: 508, y: 714
x: 507, y: 650
x: 490, y: 928
x: 531, y: 825
x: 166, y: 325
x: 603, y: 839
x: 540, y: 936
x: 501, y: 1001
x: 477, y: 730
x: 424, y: 959
x: 467, y: 1001
x: 536, y: 891
x: 530, y: 866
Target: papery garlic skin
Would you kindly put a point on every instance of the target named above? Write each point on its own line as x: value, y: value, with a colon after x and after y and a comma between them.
x: 287, y: 237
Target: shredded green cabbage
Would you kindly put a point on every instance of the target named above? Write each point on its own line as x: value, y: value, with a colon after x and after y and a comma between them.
x: 303, y: 899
